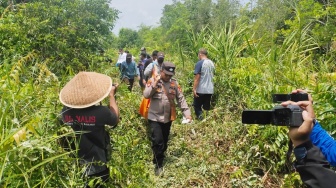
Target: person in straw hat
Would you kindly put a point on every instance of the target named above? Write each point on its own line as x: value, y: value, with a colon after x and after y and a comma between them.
x: 83, y: 111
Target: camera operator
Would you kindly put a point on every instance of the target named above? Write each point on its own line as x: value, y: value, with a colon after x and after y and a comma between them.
x: 83, y: 111
x: 310, y: 162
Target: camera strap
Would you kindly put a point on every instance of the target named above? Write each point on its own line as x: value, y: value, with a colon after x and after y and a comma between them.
x: 288, y: 162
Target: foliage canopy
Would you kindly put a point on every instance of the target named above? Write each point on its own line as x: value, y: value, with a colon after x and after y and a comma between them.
x: 262, y: 48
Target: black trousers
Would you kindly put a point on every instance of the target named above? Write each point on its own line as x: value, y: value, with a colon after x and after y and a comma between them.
x: 129, y: 83
x: 104, y: 176
x: 201, y: 102
x: 159, y: 137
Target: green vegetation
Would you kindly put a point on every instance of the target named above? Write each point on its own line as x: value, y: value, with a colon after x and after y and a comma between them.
x: 44, y: 43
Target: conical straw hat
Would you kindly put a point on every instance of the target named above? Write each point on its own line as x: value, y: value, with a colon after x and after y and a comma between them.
x: 85, y: 89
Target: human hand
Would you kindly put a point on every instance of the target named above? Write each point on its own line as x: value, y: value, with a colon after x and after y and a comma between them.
x: 299, y: 135
x: 114, y: 89
x: 186, y: 120
x: 189, y: 118
x: 157, y: 78
x: 310, y: 98
x: 195, y: 93
x: 305, y: 105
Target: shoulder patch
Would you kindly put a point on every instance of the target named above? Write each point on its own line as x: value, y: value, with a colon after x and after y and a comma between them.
x: 179, y: 88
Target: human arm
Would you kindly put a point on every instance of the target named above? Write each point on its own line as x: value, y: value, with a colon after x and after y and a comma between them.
x: 321, y: 138
x: 148, y: 70
x: 118, y: 64
x: 122, y: 69
x: 196, y: 82
x: 151, y: 87
x: 137, y: 72
x: 310, y: 163
x: 300, y: 135
x: 197, y: 76
x: 325, y: 142
x: 182, y: 103
x: 113, y: 104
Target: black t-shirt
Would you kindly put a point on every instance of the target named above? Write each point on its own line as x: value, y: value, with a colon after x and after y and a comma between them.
x: 90, y: 124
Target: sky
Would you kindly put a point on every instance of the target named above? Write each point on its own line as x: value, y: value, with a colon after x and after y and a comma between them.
x: 137, y: 12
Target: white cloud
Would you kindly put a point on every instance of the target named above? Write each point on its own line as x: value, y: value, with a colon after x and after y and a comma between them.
x: 135, y: 12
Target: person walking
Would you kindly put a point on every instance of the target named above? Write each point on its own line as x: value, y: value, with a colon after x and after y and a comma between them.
x: 121, y: 57
x: 157, y: 64
x: 128, y: 70
x: 154, y: 55
x: 163, y: 90
x: 203, y: 87
x: 141, y: 67
x: 143, y: 50
x: 83, y: 111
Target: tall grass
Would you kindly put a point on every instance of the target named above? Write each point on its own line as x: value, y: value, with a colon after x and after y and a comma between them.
x: 246, y: 76
x: 216, y: 152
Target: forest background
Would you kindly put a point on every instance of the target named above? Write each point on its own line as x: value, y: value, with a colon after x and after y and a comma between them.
x: 272, y: 47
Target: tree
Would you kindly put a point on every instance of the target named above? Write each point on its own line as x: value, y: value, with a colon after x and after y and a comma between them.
x: 128, y: 38
x: 224, y: 11
x: 64, y: 32
x: 186, y: 16
x: 319, y: 17
x: 174, y: 21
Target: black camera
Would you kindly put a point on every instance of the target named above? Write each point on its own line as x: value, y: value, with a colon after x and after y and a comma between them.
x: 279, y: 115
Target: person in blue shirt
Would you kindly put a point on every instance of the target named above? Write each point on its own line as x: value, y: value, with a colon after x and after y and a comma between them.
x: 325, y: 142
x: 314, y: 148
x: 322, y: 139
x: 128, y: 70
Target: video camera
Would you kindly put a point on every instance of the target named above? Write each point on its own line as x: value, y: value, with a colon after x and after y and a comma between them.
x: 279, y: 115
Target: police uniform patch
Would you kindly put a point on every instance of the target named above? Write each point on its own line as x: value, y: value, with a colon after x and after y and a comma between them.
x: 172, y: 91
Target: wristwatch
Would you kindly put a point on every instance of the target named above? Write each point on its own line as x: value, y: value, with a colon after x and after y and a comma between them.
x: 314, y: 121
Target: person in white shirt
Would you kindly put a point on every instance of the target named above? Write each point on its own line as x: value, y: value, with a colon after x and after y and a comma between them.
x: 121, y: 57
